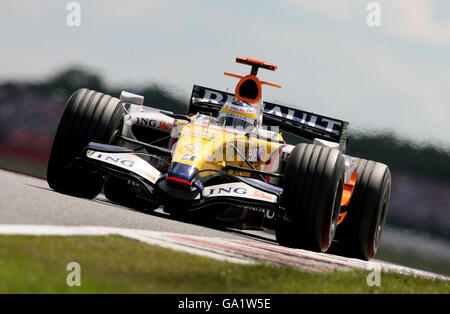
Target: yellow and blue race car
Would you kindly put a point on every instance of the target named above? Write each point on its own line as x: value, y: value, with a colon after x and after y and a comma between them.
x: 228, y: 159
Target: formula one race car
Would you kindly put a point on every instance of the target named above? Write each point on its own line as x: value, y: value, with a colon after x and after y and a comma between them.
x: 223, y: 160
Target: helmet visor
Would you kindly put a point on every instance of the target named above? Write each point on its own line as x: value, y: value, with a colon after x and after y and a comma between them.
x: 237, y: 122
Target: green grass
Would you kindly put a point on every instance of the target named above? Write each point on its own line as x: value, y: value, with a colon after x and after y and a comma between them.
x: 115, y: 264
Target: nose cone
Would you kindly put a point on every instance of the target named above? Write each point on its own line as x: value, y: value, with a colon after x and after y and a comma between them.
x: 182, y: 175
x: 196, y: 144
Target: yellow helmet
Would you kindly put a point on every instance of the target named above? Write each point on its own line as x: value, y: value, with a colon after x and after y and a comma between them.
x: 238, y: 114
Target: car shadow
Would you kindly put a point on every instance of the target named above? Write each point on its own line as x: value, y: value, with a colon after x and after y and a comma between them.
x: 193, y: 219
x: 190, y: 219
x: 40, y: 187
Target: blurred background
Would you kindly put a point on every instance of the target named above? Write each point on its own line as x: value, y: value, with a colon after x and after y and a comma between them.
x: 390, y: 81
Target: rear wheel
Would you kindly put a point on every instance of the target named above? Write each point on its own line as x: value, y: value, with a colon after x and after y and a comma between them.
x: 360, y: 232
x: 88, y: 116
x: 313, y: 179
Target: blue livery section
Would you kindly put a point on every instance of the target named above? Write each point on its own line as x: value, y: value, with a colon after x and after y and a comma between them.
x: 264, y: 186
x: 182, y: 172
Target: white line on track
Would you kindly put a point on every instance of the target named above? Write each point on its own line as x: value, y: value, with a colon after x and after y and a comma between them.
x: 236, y: 251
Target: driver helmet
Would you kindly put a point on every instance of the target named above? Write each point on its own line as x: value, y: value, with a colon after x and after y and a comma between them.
x: 238, y: 114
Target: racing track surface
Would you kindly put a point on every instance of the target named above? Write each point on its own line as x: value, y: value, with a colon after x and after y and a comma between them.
x: 29, y: 206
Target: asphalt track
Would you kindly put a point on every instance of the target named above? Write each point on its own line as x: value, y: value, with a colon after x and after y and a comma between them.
x: 29, y: 206
x: 29, y: 200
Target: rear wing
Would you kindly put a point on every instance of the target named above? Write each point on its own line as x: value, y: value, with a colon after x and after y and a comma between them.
x: 302, y: 123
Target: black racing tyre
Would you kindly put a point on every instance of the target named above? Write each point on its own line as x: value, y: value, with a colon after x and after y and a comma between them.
x: 88, y: 116
x: 359, y: 233
x: 119, y: 191
x: 313, y: 187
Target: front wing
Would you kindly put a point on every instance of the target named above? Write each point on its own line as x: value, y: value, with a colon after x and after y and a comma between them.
x: 126, y: 163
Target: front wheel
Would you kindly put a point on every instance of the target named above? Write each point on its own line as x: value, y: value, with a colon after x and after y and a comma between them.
x: 314, y: 180
x: 88, y: 116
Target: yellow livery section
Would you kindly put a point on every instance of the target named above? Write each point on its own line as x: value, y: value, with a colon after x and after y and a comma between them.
x: 209, y: 146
